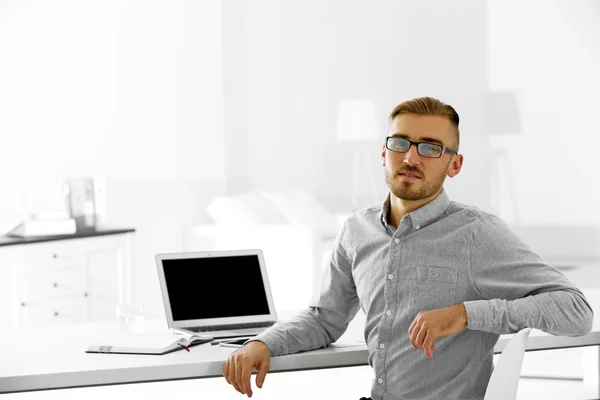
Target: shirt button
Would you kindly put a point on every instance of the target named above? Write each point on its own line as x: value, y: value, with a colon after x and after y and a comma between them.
x: 388, y: 313
x: 397, y: 240
x: 381, y: 345
x: 380, y: 380
x: 391, y: 276
x: 418, y: 227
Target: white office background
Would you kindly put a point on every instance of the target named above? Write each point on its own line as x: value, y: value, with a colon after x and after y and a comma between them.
x: 176, y: 102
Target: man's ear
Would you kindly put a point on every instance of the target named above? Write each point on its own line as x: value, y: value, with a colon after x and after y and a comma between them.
x: 455, y: 165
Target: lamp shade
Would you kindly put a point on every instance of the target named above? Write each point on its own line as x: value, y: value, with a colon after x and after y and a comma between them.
x: 504, y: 115
x: 357, y: 121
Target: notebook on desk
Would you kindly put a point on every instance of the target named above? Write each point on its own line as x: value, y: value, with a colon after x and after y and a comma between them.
x: 217, y: 293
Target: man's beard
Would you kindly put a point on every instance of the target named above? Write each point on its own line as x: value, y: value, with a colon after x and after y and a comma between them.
x: 406, y: 190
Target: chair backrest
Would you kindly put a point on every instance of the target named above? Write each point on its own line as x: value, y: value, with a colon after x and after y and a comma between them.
x: 504, y: 381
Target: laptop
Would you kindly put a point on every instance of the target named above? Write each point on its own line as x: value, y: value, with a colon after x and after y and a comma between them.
x: 223, y: 294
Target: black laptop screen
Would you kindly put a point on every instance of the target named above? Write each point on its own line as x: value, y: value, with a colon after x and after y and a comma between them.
x: 215, y: 287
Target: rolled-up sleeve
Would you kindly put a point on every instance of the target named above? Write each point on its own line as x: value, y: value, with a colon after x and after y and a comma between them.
x: 330, y: 310
x: 518, y: 289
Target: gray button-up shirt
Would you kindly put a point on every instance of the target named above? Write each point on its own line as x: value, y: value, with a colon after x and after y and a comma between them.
x: 442, y: 254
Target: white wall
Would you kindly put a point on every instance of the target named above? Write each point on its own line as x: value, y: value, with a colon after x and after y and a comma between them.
x: 300, y: 59
x: 296, y: 60
x: 126, y: 90
x: 548, y: 53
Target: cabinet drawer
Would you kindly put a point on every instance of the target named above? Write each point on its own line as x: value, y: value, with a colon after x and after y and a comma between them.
x: 49, y: 255
x: 51, y: 283
x: 69, y: 310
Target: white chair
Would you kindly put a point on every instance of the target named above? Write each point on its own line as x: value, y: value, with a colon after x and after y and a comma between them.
x: 504, y: 381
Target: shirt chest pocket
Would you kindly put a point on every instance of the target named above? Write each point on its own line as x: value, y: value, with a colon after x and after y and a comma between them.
x: 431, y: 288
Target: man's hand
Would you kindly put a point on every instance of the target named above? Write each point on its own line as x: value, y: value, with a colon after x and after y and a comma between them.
x: 430, y: 325
x: 238, y: 367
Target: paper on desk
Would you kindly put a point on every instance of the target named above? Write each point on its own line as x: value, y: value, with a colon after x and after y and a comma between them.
x: 129, y: 342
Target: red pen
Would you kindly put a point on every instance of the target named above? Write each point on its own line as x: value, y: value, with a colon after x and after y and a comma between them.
x: 185, y: 347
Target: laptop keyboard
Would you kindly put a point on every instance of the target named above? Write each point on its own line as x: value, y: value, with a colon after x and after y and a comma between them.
x: 212, y: 328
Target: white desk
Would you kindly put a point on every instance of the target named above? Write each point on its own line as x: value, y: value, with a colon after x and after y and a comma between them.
x: 55, y: 359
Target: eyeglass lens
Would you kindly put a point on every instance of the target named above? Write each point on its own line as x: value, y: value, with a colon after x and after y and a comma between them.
x: 425, y: 149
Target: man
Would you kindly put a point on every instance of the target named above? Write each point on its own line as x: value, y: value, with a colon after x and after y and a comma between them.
x: 437, y: 280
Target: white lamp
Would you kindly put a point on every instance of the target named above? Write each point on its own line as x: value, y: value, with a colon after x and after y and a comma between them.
x: 357, y: 123
x: 504, y: 121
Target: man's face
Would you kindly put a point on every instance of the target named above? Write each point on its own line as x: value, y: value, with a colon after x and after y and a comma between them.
x: 411, y: 176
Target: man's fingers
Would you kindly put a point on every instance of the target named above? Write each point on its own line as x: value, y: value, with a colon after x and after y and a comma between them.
x: 226, y: 371
x: 239, y: 386
x: 232, y: 381
x: 412, y: 333
x: 412, y: 326
x: 420, y: 338
x: 230, y: 377
x: 238, y: 367
x: 428, y: 351
x: 246, y: 373
x: 412, y: 340
x: 263, y: 368
x: 427, y: 345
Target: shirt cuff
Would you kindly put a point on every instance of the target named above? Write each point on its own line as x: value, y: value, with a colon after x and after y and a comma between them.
x: 478, y: 314
x: 273, y: 341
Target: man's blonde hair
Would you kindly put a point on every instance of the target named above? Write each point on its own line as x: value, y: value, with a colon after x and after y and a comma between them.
x: 428, y: 106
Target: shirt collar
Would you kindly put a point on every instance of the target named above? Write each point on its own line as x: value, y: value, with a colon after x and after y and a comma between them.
x: 423, y: 216
x: 385, y: 208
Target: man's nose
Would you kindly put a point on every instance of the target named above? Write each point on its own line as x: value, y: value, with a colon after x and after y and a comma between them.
x: 412, y: 157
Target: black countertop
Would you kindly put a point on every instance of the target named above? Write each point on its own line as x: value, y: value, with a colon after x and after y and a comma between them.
x: 12, y: 241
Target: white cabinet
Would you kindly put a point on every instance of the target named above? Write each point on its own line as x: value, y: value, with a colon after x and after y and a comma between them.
x: 74, y: 280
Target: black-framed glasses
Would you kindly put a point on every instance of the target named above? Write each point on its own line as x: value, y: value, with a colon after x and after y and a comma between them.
x: 425, y: 149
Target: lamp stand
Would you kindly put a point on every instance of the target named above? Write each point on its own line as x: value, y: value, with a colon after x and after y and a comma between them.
x: 362, y: 168
x: 500, y: 169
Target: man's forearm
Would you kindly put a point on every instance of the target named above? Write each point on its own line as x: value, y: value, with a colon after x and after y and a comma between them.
x: 302, y: 332
x: 560, y: 312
